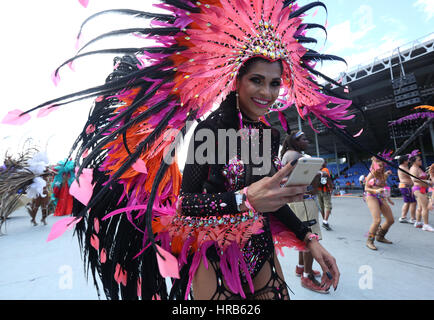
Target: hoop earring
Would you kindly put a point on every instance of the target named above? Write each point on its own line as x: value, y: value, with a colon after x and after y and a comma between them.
x: 240, y: 116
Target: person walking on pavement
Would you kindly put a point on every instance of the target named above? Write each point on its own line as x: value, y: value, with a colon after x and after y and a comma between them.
x: 325, y: 196
x: 420, y: 190
x: 431, y: 175
x: 405, y: 186
x: 294, y: 147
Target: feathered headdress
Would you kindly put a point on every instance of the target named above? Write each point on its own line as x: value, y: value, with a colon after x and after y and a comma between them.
x: 429, y: 108
x: 203, y: 44
x: 387, y: 155
x: 146, y: 103
x: 414, y: 153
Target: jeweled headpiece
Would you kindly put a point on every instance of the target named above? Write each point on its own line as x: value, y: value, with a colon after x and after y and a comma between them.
x: 223, y: 35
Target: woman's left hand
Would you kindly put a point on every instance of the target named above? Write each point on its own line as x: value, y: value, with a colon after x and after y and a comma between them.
x: 328, y: 265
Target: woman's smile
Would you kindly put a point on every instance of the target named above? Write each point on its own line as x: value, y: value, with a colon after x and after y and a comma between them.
x: 261, y: 102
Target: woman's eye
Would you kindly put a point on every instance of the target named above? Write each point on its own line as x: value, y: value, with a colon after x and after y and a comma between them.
x: 256, y: 80
x: 275, y: 84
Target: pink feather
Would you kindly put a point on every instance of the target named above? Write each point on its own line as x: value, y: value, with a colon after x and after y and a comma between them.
x: 90, y: 129
x: 120, y: 275
x: 71, y: 65
x: 140, y: 166
x: 84, y: 3
x: 43, y: 112
x: 83, y: 189
x: 167, y: 264
x: 55, y: 77
x: 358, y: 134
x: 61, y: 226
x: 96, y: 225
x: 139, y: 288
x: 94, y: 241
x: 103, y: 256
x: 77, y: 43
x: 283, y: 121
x: 16, y: 117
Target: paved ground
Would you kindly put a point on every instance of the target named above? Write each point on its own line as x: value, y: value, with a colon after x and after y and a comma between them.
x: 31, y: 268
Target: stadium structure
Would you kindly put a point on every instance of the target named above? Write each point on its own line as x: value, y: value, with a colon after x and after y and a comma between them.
x: 387, y: 89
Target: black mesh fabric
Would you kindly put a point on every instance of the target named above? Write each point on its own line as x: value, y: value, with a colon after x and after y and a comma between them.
x: 205, y: 190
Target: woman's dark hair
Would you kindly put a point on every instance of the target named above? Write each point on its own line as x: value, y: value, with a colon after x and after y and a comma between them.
x: 288, y: 144
x: 248, y: 64
x: 403, y: 159
x: 412, y: 160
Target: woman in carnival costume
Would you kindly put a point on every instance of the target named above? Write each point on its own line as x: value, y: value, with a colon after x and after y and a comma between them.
x: 214, y: 230
x: 431, y: 175
x: 15, y: 179
x: 405, y: 186
x: 377, y: 197
x: 63, y: 179
x: 422, y: 183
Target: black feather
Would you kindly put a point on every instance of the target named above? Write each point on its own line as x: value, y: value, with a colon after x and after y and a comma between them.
x: 317, y: 73
x: 147, y: 31
x: 136, y: 13
x: 307, y: 7
x: 302, y: 39
x: 182, y: 5
x: 117, y: 84
x: 309, y: 26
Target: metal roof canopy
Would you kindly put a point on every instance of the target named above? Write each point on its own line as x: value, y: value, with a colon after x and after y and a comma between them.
x: 373, y: 100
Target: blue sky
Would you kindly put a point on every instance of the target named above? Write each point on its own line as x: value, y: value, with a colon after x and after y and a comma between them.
x: 37, y: 36
x: 360, y: 30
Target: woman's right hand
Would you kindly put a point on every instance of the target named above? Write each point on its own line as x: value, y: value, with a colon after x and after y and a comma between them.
x: 331, y: 274
x: 380, y: 190
x: 267, y: 195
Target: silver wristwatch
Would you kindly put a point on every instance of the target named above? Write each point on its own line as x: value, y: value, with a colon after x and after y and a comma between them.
x: 238, y: 200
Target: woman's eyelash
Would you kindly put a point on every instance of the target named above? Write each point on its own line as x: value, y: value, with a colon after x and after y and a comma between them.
x: 274, y: 83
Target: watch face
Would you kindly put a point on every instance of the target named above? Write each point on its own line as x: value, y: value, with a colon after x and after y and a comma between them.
x: 238, y: 198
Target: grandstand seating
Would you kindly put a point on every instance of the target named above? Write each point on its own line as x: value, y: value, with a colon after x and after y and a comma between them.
x: 334, y: 168
x: 353, y: 173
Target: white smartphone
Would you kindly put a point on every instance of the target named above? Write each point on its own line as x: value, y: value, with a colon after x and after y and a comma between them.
x: 305, y: 171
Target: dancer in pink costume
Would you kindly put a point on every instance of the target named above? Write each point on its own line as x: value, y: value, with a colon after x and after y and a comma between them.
x: 214, y: 229
x: 377, y: 197
x: 422, y: 183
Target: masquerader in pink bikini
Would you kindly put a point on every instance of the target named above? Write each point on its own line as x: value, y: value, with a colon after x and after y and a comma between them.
x: 420, y: 190
x: 377, y: 197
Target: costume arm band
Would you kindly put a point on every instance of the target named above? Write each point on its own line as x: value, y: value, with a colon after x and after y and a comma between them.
x: 286, y: 216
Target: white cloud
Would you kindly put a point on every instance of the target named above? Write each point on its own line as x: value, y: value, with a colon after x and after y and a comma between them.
x: 36, y: 44
x: 364, y: 18
x: 384, y: 48
x: 346, y: 34
x: 427, y: 6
